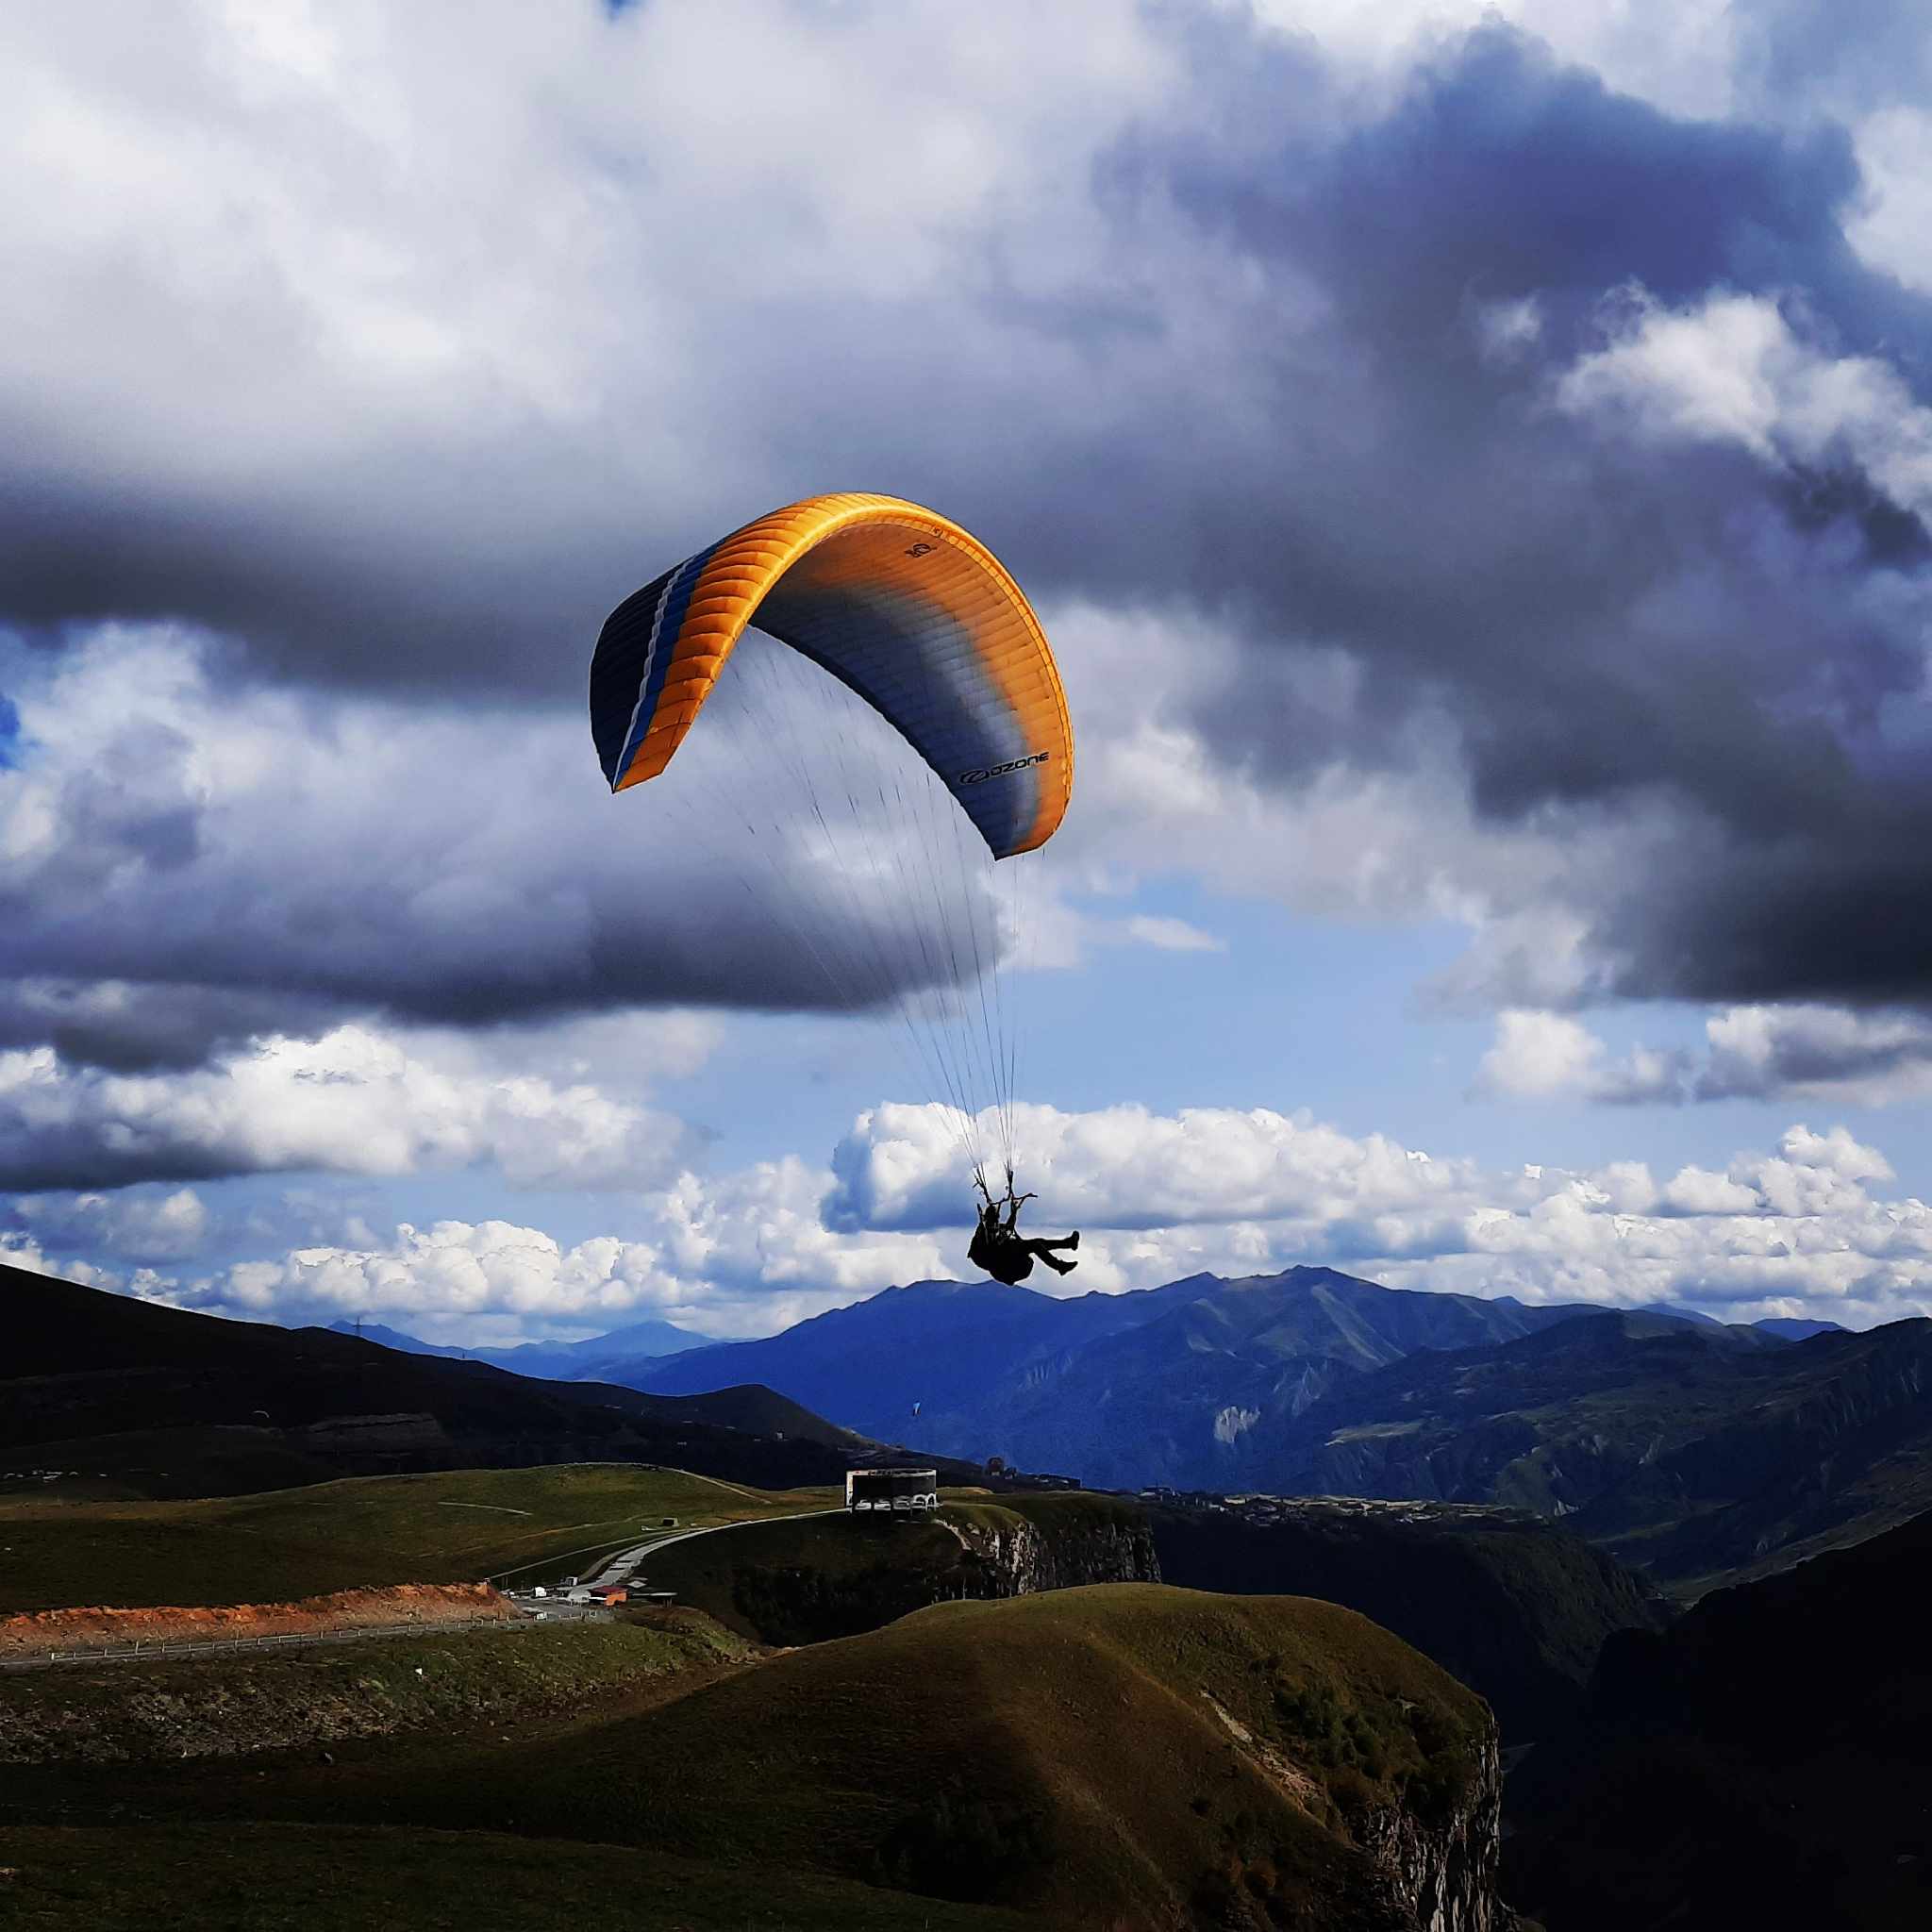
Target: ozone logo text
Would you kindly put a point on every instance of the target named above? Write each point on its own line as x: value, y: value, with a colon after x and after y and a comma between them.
x: 982, y: 773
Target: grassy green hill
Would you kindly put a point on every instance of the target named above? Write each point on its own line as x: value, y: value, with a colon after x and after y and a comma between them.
x: 807, y: 1580
x: 126, y: 1397
x: 348, y: 1879
x: 1125, y: 1754
x: 451, y: 1526
x: 270, y: 1699
x: 800, y: 1582
x: 1511, y: 1605
x: 1115, y: 1755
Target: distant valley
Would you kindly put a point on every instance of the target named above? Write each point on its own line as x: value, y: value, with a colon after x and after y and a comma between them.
x: 1693, y: 1450
x: 1761, y: 1763
x: 1696, y: 1452
x: 859, y: 1721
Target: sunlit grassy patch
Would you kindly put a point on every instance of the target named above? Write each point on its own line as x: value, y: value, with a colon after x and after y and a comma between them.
x: 450, y: 1527
x: 1124, y: 1749
x: 243, y: 1702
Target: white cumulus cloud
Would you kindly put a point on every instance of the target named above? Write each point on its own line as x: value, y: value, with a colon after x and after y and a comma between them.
x: 1545, y: 1056
x: 1805, y: 1227
x: 1797, y: 1052
x: 356, y: 1100
x: 1733, y: 369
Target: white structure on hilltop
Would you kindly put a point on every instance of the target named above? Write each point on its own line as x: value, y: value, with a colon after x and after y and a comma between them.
x: 900, y: 1490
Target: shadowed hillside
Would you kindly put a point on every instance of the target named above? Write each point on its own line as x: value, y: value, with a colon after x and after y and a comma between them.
x: 1116, y: 1755
x: 1515, y: 1608
x: 1764, y: 1762
x: 136, y: 1399
x: 1680, y: 1451
x: 804, y: 1580
x: 348, y: 1879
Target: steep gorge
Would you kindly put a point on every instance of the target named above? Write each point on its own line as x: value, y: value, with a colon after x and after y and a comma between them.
x: 814, y: 1578
x: 1040, y: 1546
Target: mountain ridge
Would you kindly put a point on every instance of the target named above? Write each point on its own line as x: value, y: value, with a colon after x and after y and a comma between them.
x: 1145, y: 1387
x: 1311, y: 1381
x: 547, y: 1361
x: 173, y: 1402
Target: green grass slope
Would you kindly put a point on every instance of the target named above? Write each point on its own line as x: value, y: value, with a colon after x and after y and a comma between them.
x: 807, y: 1580
x: 1119, y: 1755
x: 1513, y: 1606
x: 246, y: 1702
x: 348, y: 1879
x: 136, y: 1465
x: 172, y: 1404
x: 824, y: 1576
x: 451, y: 1526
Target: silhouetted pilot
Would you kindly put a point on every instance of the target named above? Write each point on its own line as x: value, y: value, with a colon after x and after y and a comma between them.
x: 1003, y: 1252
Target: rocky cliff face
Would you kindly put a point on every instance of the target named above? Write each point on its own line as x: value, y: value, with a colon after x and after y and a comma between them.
x: 1511, y: 1605
x: 1442, y: 1871
x: 1016, y: 1556
x: 809, y: 1580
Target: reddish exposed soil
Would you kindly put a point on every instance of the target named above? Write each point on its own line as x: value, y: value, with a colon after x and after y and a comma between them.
x: 34, y: 1634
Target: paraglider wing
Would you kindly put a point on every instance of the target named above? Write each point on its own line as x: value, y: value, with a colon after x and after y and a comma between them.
x: 906, y: 608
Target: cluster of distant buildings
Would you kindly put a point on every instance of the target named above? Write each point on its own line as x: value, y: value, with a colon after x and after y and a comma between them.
x: 1263, y: 1510
x: 1000, y: 1476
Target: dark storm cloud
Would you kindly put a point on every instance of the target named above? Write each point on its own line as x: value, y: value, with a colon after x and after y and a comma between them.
x: 1882, y: 1055
x: 129, y: 1028
x: 1267, y: 398
x: 1602, y: 625
x: 204, y: 861
x: 1845, y: 915
x: 445, y: 574
x: 1854, y: 53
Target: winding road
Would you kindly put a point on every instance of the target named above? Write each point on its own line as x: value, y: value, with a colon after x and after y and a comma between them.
x: 622, y: 1566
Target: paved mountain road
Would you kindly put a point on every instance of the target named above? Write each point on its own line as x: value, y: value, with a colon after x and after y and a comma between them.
x: 621, y: 1567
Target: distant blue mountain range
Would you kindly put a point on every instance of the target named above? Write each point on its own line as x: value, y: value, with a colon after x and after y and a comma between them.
x: 1685, y: 1445
x: 1792, y: 1330
x: 552, y: 1361
x: 1110, y: 1385
x: 973, y: 1367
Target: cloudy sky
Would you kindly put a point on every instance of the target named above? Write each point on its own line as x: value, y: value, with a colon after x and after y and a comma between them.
x: 1474, y: 463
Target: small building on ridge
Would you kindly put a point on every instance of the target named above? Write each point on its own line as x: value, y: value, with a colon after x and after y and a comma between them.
x: 899, y: 1490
